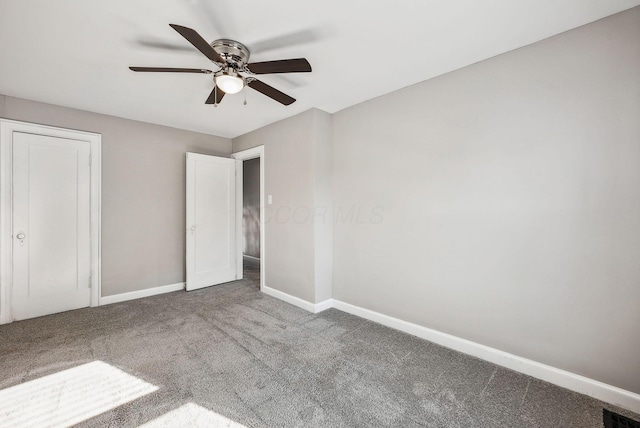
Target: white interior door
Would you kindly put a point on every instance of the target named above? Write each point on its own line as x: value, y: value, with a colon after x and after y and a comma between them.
x: 51, y: 225
x: 211, y: 220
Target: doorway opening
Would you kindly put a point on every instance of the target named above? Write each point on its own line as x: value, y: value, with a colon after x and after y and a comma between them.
x: 251, y: 221
x: 250, y: 233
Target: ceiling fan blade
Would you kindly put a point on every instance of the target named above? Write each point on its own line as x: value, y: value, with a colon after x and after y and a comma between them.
x: 216, y: 96
x: 198, y: 42
x: 271, y: 92
x: 298, y: 65
x: 171, y: 70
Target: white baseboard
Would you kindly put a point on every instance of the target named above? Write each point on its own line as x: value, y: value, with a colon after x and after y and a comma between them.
x: 324, y: 305
x: 593, y: 388
x: 251, y: 257
x: 296, y: 301
x: 123, y: 297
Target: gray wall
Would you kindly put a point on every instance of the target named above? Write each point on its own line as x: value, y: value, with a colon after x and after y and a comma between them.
x: 251, y: 207
x: 510, y: 200
x: 143, y: 191
x: 295, y: 163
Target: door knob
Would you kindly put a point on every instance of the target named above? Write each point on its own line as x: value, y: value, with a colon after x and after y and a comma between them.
x: 21, y: 236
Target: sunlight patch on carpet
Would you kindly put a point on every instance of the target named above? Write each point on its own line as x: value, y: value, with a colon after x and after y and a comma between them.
x: 69, y: 396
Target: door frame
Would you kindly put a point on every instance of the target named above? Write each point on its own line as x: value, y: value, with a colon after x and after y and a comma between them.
x: 7, y: 128
x: 256, y: 152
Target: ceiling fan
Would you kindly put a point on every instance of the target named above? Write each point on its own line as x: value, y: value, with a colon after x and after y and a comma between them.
x: 232, y: 58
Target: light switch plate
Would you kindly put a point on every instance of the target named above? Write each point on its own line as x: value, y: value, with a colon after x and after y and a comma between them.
x: 270, y: 199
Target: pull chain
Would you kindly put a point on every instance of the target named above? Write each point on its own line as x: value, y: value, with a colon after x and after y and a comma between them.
x: 245, y: 97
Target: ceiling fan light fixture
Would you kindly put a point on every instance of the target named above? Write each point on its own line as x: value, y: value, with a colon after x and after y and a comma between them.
x: 228, y: 83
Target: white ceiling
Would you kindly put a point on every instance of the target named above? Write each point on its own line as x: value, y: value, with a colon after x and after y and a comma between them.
x: 76, y: 53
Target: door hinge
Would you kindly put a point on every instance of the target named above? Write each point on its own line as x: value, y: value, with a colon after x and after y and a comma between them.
x: 90, y: 282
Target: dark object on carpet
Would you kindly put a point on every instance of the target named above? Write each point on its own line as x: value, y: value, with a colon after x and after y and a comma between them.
x: 614, y: 420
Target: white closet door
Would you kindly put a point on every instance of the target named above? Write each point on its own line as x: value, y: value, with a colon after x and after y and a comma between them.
x: 51, y: 225
x: 211, y: 222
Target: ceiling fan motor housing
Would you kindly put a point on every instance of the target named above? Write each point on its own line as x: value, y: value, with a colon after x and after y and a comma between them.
x: 234, y: 53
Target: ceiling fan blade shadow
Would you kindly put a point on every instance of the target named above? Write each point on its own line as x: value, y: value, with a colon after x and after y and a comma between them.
x: 198, y: 42
x: 216, y: 96
x: 297, y: 65
x: 288, y: 80
x: 171, y: 70
x: 158, y: 44
x: 210, y: 9
x: 285, y: 40
x: 271, y: 92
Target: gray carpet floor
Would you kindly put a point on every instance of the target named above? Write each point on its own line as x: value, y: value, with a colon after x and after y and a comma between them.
x: 261, y: 362
x: 251, y: 270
